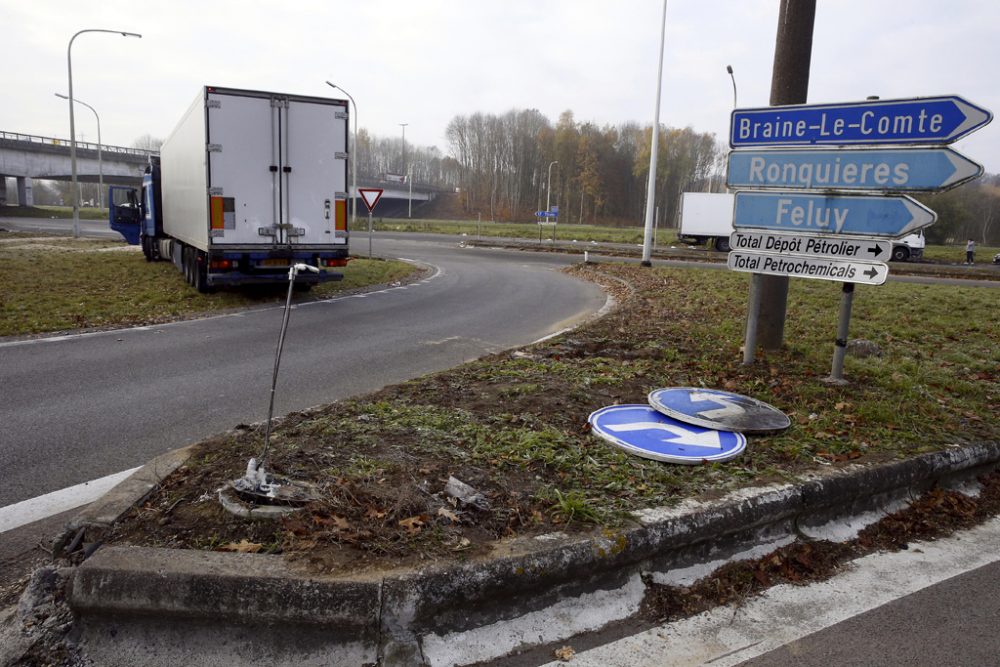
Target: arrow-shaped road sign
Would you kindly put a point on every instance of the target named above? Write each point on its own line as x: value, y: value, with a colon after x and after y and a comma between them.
x: 802, y: 266
x: 858, y: 215
x: 894, y: 169
x: 813, y: 245
x: 921, y: 120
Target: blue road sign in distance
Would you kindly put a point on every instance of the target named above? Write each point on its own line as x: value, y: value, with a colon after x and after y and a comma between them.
x: 858, y: 215
x: 921, y: 120
x: 545, y: 214
x: 713, y: 408
x: 642, y: 431
x: 892, y: 169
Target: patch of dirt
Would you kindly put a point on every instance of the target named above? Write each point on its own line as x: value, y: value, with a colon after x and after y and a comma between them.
x: 513, y: 426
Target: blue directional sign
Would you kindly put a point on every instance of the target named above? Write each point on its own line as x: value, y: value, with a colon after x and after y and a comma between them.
x: 922, y: 120
x: 892, y: 217
x: 545, y: 214
x: 642, y: 431
x: 723, y: 410
x: 894, y: 169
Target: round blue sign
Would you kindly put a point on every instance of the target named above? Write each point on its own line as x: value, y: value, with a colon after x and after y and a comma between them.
x: 641, y: 430
x: 721, y: 410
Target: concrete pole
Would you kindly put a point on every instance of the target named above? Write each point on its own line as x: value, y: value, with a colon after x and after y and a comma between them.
x: 789, y: 85
x: 647, y: 237
x: 72, y: 123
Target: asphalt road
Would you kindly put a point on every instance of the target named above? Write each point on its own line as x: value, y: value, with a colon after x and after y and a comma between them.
x: 80, y: 407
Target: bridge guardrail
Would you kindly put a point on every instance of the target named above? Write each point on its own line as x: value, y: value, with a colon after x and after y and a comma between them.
x: 85, y: 145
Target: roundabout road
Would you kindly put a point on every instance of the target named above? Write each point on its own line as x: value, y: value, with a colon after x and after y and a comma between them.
x: 80, y: 407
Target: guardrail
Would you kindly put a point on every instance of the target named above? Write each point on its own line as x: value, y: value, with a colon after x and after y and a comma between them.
x: 84, y: 145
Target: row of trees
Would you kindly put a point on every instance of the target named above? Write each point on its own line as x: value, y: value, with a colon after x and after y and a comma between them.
x: 501, y: 166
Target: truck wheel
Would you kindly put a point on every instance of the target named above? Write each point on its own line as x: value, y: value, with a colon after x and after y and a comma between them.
x: 199, y: 271
x: 722, y: 244
x: 186, y: 263
x: 900, y: 253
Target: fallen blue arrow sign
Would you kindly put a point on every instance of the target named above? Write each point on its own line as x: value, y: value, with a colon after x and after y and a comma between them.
x: 857, y: 215
x: 921, y: 120
x: 893, y: 169
x: 642, y: 431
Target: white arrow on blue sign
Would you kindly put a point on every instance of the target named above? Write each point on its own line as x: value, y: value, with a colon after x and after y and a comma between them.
x: 545, y: 214
x: 921, y: 120
x: 642, y: 431
x: 858, y: 215
x: 894, y: 169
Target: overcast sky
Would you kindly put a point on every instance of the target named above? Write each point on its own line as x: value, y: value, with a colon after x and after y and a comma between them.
x: 424, y: 61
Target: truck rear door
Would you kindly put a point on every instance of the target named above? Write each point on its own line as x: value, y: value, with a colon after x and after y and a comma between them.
x: 314, y: 172
x: 242, y: 183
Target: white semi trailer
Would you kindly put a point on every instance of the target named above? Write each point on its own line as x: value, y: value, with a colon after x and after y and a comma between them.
x: 247, y: 184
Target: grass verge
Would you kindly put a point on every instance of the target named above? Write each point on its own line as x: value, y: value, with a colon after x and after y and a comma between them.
x: 514, y: 425
x: 58, y: 283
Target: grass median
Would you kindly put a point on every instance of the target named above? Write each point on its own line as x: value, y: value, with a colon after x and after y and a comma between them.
x: 513, y: 426
x: 61, y: 284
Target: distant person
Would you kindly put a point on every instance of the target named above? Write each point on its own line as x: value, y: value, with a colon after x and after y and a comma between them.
x: 970, y: 252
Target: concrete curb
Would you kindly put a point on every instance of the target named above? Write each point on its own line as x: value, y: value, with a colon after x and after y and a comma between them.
x: 159, y: 606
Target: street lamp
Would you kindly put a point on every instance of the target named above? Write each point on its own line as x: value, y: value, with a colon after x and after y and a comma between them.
x: 72, y: 123
x: 548, y: 188
x: 354, y: 156
x: 729, y: 68
x: 405, y: 175
x: 100, y: 164
x: 647, y: 234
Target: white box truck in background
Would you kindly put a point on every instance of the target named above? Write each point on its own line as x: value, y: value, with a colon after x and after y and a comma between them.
x: 707, y: 219
x: 247, y: 184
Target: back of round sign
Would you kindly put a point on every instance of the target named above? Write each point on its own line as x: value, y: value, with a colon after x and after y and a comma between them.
x: 720, y: 410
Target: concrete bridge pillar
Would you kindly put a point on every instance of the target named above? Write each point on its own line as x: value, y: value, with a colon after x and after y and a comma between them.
x: 3, y: 190
x: 25, y: 197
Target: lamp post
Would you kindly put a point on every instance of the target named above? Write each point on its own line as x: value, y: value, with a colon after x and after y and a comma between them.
x: 354, y: 156
x: 403, y: 125
x: 729, y: 68
x: 72, y: 123
x: 548, y: 187
x: 647, y: 236
x: 100, y: 163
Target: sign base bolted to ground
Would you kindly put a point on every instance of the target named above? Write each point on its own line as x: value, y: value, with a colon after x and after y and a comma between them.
x: 642, y: 431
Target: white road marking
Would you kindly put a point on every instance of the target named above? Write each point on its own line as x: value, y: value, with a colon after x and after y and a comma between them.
x: 42, y: 507
x: 726, y: 636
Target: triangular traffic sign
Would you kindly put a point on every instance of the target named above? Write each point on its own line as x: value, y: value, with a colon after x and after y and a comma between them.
x: 370, y: 196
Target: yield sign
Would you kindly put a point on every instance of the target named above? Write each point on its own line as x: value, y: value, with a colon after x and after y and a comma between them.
x: 371, y: 196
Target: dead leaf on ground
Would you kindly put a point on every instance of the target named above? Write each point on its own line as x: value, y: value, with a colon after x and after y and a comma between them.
x: 414, y: 524
x: 565, y: 653
x: 448, y: 514
x: 243, y: 547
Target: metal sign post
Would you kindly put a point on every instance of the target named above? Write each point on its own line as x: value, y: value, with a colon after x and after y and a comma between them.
x: 370, y: 196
